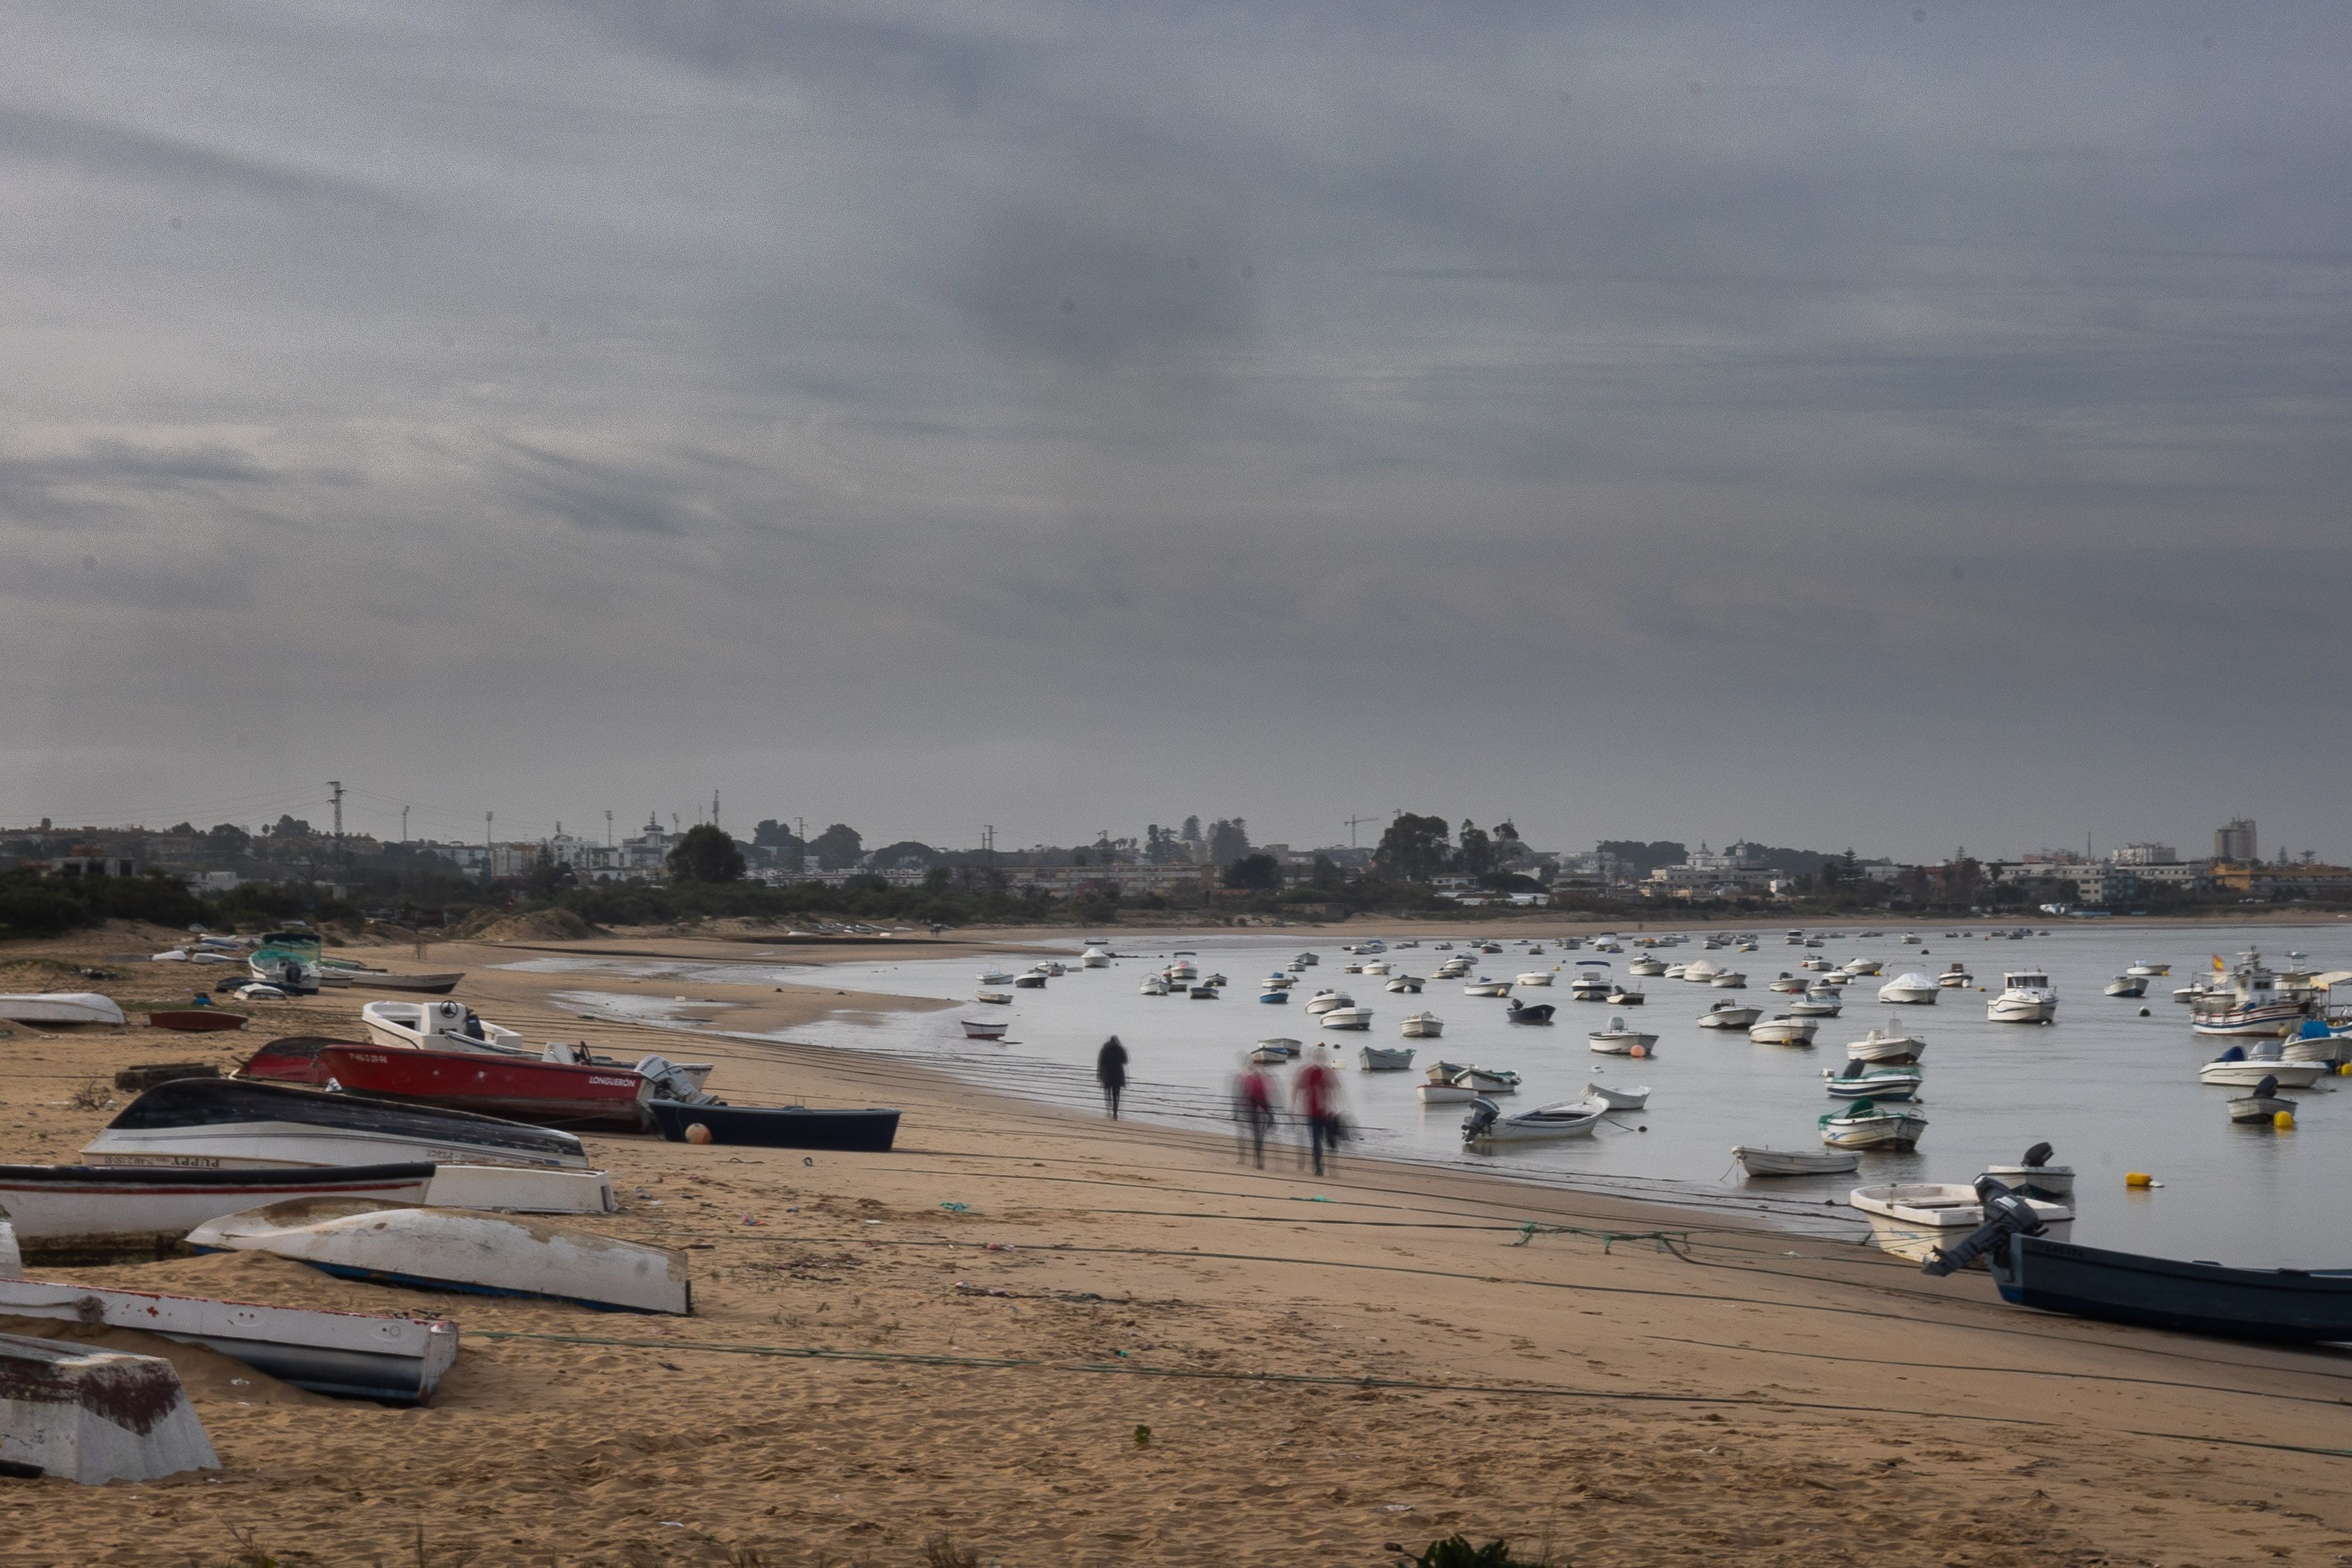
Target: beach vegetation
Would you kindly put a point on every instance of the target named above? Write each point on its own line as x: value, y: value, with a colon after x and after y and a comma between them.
x: 1455, y: 1551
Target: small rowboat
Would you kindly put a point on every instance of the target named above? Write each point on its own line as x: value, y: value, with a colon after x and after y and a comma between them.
x: 1793, y: 1163
x: 1568, y: 1119
x: 59, y: 1006
x: 1619, y: 1099
x: 778, y: 1127
x: 84, y: 1214
x: 1916, y: 1219
x: 1866, y: 1125
x: 197, y: 1021
x: 985, y: 1029
x: 1385, y: 1058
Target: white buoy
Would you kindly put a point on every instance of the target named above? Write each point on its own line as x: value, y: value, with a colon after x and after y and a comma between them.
x: 96, y: 1415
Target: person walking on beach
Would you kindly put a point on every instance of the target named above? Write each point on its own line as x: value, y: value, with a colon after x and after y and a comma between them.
x: 1110, y: 1072
x: 1253, y: 1109
x: 1315, y: 1094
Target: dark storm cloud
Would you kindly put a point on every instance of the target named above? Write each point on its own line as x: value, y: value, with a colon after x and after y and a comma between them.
x: 1012, y: 411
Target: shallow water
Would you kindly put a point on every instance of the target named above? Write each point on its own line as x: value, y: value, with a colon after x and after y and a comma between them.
x: 2113, y: 1090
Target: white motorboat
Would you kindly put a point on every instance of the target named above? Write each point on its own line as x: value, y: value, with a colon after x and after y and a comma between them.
x: 1385, y: 1058
x: 2317, y: 1042
x: 2147, y: 970
x: 1441, y: 948
x: 1914, y: 1219
x: 1618, y: 1099
x: 458, y: 1249
x: 1352, y: 968
x: 1621, y: 1038
x: 2128, y: 986
x: 2026, y: 997
x: 985, y: 1029
x: 1891, y: 1044
x: 1623, y: 997
x: 996, y: 978
x: 1535, y: 977
x: 1005, y: 998
x: 1034, y: 980
x: 1422, y: 1026
x: 1678, y: 971
x: 1818, y: 1004
x: 1955, y: 977
x: 1790, y: 985
x: 213, y: 1123
x: 1589, y: 986
x: 1860, y: 1080
x: 1836, y: 980
x: 1096, y: 956
x: 1762, y: 1162
x: 1910, y: 989
x: 99, y: 1214
x: 1815, y: 963
x: 1701, y: 971
x: 2035, y: 1176
x: 1867, y: 1124
x: 1154, y: 987
x: 60, y: 1007
x: 1489, y: 1079
x: 1729, y: 980
x: 1306, y: 961
x: 1202, y: 991
x: 1281, y: 1046
x: 1483, y: 986
x: 2253, y: 1000
x: 1278, y: 981
x: 436, y: 1026
x: 1567, y: 1119
x: 1407, y: 985
x: 1347, y: 1018
x: 1181, y: 973
x: 1646, y: 966
x: 1324, y: 1002
x: 1861, y: 966
x: 2237, y: 1068
x: 1377, y: 967
x: 1783, y: 1030
x: 1910, y: 939
x: 1730, y: 1015
x: 1052, y: 968
x: 1445, y: 1093
x: 1265, y: 1056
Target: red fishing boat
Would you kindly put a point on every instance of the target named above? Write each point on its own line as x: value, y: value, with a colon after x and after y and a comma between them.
x: 196, y: 1020
x: 519, y: 1088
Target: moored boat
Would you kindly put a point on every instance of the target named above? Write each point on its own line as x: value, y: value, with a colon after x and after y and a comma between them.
x: 1892, y: 1044
x: 985, y: 1029
x: 1422, y: 1026
x: 1859, y: 1079
x: 1524, y: 1012
x: 1730, y: 1015
x: 1345, y: 1018
x: 1567, y: 1119
x: 1785, y: 1030
x: 2128, y: 986
x: 2263, y: 1106
x: 1634, y: 1099
x: 1764, y: 1162
x: 2026, y: 997
x: 1385, y: 1058
x: 1867, y: 1124
x: 1910, y: 989
x: 1621, y: 1038
x: 2237, y: 1068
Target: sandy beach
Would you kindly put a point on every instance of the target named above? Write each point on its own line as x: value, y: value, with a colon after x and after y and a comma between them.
x: 1048, y: 1338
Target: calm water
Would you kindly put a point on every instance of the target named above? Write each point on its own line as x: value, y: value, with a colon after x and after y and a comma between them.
x: 2113, y: 1090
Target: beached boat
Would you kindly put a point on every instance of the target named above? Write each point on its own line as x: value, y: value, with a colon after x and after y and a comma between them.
x: 996, y: 976
x: 439, y: 984
x: 1860, y: 1080
x: 1730, y: 1015
x: 357, y: 1355
x: 2237, y: 1068
x: 91, y: 1214
x: 1763, y: 1162
x: 1618, y: 1099
x: 1892, y: 1044
x: 436, y: 1026
x: 1621, y: 1038
x: 985, y: 1029
x: 213, y: 1123
x: 1385, y: 1058
x: 1866, y: 1125
x: 59, y: 1007
x: 1567, y: 1119
x: 522, y: 1089
x: 1784, y: 1030
x: 2026, y: 997
x: 290, y: 960
x: 1422, y: 1026
x: 1524, y: 1012
x: 198, y: 1021
x: 1345, y: 1018
x: 2293, y: 1306
x: 458, y: 1249
x: 1917, y: 1219
x: 1910, y: 989
x: 2128, y: 986
x: 866, y: 1131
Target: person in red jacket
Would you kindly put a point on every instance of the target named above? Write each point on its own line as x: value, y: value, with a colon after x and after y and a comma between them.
x: 1316, y: 1094
x: 1253, y: 1109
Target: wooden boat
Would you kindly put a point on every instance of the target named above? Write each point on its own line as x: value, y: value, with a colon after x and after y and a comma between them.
x: 89, y: 1214
x: 1618, y: 1099
x: 59, y: 1007
x: 521, y: 1088
x: 197, y: 1021
x: 458, y: 1249
x: 985, y: 1029
x: 2282, y: 1305
x: 1917, y: 1219
x: 1005, y: 998
x: 214, y: 1122
x: 1567, y: 1119
x: 778, y: 1127
x: 359, y: 1355
x: 1522, y: 1012
x: 1866, y: 1125
x: 1385, y: 1058
x: 1762, y: 1162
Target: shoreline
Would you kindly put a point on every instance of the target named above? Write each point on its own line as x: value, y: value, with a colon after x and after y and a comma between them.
x: 1054, y: 1338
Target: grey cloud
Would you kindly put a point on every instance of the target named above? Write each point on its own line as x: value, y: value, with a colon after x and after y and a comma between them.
x: 93, y: 146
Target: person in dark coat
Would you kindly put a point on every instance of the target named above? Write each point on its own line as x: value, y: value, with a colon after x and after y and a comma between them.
x: 1110, y: 1072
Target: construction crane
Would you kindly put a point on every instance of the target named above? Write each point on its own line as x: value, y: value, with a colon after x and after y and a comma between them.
x: 1354, y: 822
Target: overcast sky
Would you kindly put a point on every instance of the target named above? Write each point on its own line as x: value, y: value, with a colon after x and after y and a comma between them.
x: 1867, y: 426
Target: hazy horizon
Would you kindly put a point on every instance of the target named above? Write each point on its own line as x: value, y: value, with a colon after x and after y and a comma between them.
x: 1906, y: 428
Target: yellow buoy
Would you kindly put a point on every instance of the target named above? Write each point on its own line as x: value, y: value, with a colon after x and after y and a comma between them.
x: 2283, y: 1120
x: 2138, y: 1178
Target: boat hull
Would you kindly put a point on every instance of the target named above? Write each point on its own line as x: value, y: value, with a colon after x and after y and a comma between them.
x: 1793, y: 1163
x: 197, y: 1021
x: 2280, y: 1306
x: 59, y: 1007
x: 786, y: 1127
x: 519, y: 1089
x: 207, y: 1124
x: 88, y: 1214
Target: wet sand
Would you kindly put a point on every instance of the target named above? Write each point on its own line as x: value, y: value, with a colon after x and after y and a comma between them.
x: 1056, y: 1340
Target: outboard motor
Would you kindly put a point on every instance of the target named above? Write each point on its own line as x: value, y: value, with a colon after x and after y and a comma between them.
x: 2038, y: 1156
x: 1484, y: 1115
x: 2268, y: 1088
x: 671, y: 1082
x: 1855, y: 1068
x: 2006, y: 1215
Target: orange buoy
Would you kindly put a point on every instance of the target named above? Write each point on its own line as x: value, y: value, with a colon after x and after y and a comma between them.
x: 696, y: 1133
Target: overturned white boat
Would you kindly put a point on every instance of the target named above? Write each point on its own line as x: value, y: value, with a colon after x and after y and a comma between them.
x: 458, y: 1249
x: 59, y: 1007
x: 93, y: 1214
x: 210, y: 1122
